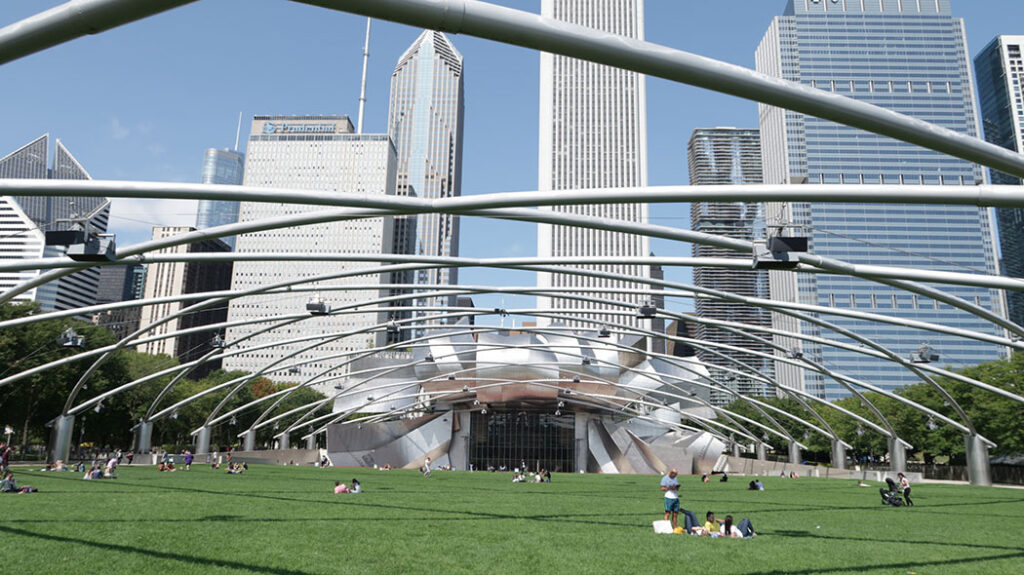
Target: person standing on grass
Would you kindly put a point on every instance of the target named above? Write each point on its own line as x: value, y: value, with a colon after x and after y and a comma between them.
x: 670, y: 486
x: 188, y: 460
x: 905, y: 488
x: 426, y: 467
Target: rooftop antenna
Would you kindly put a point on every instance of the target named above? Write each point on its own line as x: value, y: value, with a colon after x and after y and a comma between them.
x: 504, y: 314
x: 362, y: 89
x: 238, y: 131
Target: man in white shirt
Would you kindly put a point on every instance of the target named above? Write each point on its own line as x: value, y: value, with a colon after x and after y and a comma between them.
x: 670, y: 486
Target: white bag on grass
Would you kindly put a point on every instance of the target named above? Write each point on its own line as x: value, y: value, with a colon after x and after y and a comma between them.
x: 663, y: 526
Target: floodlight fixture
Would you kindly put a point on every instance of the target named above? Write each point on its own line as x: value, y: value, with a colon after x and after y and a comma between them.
x: 70, y: 338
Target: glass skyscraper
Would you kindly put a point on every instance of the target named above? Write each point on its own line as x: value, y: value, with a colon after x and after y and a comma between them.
x: 425, y: 122
x: 31, y: 216
x: 593, y: 134
x: 911, y: 57
x: 999, y: 68
x: 719, y: 156
x: 220, y: 167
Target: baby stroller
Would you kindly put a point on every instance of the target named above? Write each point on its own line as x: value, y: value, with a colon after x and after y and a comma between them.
x: 890, y: 495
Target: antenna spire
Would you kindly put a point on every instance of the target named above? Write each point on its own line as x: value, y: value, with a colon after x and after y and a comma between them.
x: 362, y: 89
x: 238, y: 130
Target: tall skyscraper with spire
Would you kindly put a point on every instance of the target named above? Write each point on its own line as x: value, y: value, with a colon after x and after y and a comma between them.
x: 425, y: 119
x: 593, y: 134
x: 27, y: 218
x: 910, y: 57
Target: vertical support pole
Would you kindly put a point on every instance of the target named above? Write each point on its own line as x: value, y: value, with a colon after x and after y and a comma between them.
x: 144, y: 437
x: 203, y: 440
x: 736, y: 450
x: 762, y: 451
x: 311, y: 442
x: 897, y: 455
x: 283, y: 442
x: 582, y: 441
x: 979, y: 471
x: 838, y: 454
x: 249, y: 443
x: 794, y: 453
x: 60, y: 438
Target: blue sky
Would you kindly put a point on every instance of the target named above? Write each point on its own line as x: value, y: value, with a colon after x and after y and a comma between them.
x: 142, y: 102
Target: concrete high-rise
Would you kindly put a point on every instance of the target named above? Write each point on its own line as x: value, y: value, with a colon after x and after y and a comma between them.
x: 167, y: 279
x: 27, y: 218
x: 593, y: 134
x: 910, y: 57
x: 425, y: 119
x: 999, y: 68
x: 719, y: 156
x: 320, y: 153
x: 220, y: 167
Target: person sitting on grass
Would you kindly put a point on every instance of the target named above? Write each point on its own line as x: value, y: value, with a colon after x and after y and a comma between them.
x: 711, y: 526
x: 743, y: 530
x: 340, y: 487
x: 704, y: 478
x: 356, y: 486
x: 10, y: 485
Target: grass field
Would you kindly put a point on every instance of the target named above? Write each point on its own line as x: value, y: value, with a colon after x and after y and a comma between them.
x: 286, y: 520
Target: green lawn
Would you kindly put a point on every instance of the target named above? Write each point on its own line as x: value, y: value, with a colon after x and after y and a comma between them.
x: 283, y: 520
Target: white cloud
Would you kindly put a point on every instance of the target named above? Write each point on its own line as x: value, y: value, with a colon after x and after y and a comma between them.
x: 133, y: 219
x: 118, y: 131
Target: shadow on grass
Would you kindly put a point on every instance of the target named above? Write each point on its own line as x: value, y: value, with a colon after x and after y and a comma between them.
x: 811, y: 535
x: 355, y: 501
x: 194, y: 562
x: 977, y: 562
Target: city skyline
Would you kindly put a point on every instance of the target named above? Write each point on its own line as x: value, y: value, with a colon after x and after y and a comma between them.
x: 124, y: 140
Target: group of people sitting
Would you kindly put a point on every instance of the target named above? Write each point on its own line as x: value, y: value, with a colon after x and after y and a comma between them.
x: 755, y: 485
x: 10, y: 485
x: 340, y: 487
x: 705, y: 479
x: 235, y: 468
x: 98, y: 471
x: 717, y: 528
x: 544, y: 476
x: 169, y: 466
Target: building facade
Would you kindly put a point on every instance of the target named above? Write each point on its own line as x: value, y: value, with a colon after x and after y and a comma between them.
x: 910, y: 57
x: 117, y: 284
x: 718, y: 156
x: 999, y: 69
x: 425, y: 120
x: 27, y: 218
x: 320, y: 153
x: 220, y: 167
x: 593, y: 134
x: 169, y: 279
